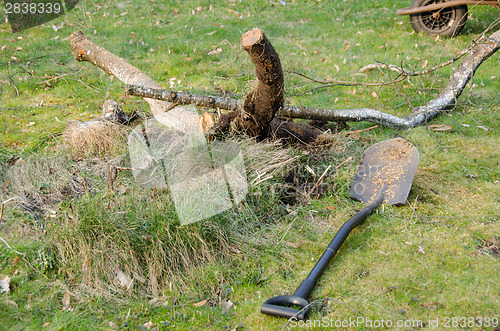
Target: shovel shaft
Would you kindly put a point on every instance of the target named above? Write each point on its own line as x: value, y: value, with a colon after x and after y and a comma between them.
x: 305, y: 288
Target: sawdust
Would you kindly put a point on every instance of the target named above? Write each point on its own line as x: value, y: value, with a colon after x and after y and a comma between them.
x: 394, y: 160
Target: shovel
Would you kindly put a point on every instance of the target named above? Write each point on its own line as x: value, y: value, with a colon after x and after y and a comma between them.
x: 385, y: 174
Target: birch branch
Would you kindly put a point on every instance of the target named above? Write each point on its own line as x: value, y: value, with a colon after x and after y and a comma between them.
x: 420, y: 116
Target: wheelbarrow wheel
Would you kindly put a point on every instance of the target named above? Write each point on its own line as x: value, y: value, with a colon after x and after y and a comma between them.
x: 446, y: 22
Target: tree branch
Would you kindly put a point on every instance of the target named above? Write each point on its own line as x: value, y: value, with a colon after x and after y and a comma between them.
x: 420, y: 116
x: 85, y: 50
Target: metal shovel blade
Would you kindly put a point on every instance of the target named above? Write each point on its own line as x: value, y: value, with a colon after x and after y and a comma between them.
x: 389, y: 166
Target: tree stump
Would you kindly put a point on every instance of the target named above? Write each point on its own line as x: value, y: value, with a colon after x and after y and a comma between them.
x: 261, y: 105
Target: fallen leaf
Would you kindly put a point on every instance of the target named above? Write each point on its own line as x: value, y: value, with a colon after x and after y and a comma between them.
x: 149, y: 325
x: 330, y: 208
x: 124, y: 279
x: 45, y: 324
x: 240, y: 326
x: 85, y: 266
x: 113, y: 326
x: 16, y: 261
x: 432, y: 305
x: 12, y: 303
x: 4, y: 185
x: 57, y: 27
x: 440, y: 127
x: 420, y: 249
x: 211, y: 33
x: 374, y: 94
x: 226, y: 306
x: 215, y: 52
x: 4, y: 284
x: 425, y: 64
x: 408, y: 243
x: 66, y: 301
x: 199, y: 304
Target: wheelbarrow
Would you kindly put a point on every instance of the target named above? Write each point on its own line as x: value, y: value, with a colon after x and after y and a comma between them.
x: 441, y: 17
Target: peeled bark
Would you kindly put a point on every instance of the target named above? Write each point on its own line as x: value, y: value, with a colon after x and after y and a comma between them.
x: 85, y: 50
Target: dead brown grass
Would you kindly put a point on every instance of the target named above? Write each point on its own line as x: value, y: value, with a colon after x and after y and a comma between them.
x: 129, y: 242
x: 93, y: 138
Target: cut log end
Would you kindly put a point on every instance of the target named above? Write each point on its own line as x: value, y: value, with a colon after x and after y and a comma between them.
x: 252, y: 37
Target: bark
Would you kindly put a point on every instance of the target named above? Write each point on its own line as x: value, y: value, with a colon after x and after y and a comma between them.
x: 85, y: 50
x: 184, y: 98
x: 446, y: 99
x: 261, y: 105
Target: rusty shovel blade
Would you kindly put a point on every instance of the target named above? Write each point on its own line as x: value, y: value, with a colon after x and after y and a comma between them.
x: 389, y: 166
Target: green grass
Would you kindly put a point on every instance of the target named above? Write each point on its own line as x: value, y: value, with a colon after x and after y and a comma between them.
x: 432, y: 258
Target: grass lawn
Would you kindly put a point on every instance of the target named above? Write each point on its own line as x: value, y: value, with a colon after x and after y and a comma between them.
x: 433, y: 262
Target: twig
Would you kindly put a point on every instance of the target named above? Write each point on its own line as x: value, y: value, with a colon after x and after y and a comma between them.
x: 12, y: 249
x: 319, y: 180
x: 51, y: 135
x: 35, y: 217
x: 14, y: 116
x: 123, y: 168
x: 288, y: 228
x: 340, y: 165
x: 362, y: 130
x: 404, y: 73
x: 3, y: 203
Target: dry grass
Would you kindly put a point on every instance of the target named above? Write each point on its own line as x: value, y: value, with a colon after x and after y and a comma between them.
x: 93, y: 138
x: 126, y: 240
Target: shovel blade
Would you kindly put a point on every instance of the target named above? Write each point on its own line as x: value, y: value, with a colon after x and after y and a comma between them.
x: 389, y: 166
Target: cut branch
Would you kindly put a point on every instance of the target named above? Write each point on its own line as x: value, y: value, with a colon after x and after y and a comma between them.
x: 420, y: 116
x: 261, y: 105
x: 85, y: 50
x: 184, y: 98
x: 255, y: 113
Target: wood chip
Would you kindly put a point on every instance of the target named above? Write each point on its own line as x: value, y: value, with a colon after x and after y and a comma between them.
x: 440, y: 128
x: 199, y: 304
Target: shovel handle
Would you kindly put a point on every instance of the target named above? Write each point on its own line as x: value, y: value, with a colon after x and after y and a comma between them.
x: 281, y: 306
x: 305, y: 288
